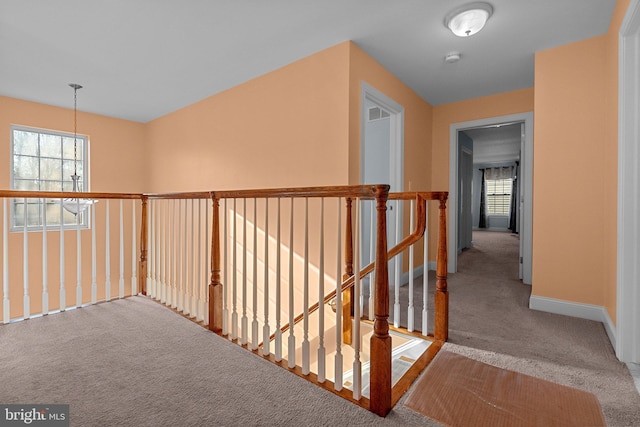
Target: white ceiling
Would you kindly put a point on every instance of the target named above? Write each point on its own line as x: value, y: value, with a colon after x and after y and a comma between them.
x: 141, y: 59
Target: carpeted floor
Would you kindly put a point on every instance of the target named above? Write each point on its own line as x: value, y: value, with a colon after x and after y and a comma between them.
x: 134, y: 362
x: 490, y: 322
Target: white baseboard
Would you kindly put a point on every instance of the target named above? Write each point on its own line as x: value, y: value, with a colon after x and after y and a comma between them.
x: 574, y: 309
x: 417, y: 272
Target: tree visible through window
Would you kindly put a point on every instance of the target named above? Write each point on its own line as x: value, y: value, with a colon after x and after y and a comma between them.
x: 43, y: 160
x: 498, y: 193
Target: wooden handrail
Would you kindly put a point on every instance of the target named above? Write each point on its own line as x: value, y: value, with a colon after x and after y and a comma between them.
x: 411, y: 239
x: 20, y: 194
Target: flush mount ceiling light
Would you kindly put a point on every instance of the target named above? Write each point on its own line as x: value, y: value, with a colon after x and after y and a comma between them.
x: 467, y: 20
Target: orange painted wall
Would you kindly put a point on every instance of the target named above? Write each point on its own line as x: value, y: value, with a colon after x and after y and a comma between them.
x: 116, y: 147
x: 417, y: 128
x: 519, y: 101
x: 285, y: 128
x: 574, y: 231
x: 117, y: 164
x: 417, y: 119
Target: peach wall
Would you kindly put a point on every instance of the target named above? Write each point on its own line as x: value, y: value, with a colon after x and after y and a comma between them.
x: 286, y: 128
x: 417, y: 119
x: 116, y: 147
x: 515, y: 102
x: 117, y: 164
x: 576, y: 143
x: 417, y: 127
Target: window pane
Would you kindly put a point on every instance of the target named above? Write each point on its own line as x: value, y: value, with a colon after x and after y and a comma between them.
x: 26, y: 185
x: 67, y: 169
x: 67, y: 148
x: 499, y: 196
x: 51, y: 186
x: 25, y: 167
x: 25, y: 142
x: 50, y: 169
x: 50, y: 146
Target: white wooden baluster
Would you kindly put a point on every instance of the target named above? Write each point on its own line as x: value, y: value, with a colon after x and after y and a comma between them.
x: 425, y: 278
x: 398, y: 268
x: 278, y: 333
x: 134, y: 251
x: 357, y: 364
x: 154, y: 251
x: 234, y: 273
x: 372, y: 257
x: 207, y: 270
x: 199, y: 265
x: 254, y: 323
x: 305, y: 292
x: 338, y: 380
x: 78, y: 257
x: 94, y: 274
x: 266, y: 329
x: 321, y: 348
x: 172, y: 297
x: 107, y: 260
x: 194, y: 285
x: 186, y: 263
x: 63, y: 294
x: 245, y: 319
x: 180, y: 256
x: 25, y: 266
x: 45, y: 260
x: 151, y: 268
x: 163, y: 249
x: 410, y: 309
x: 6, y: 302
x: 225, y: 287
x: 121, y: 242
x: 184, y: 288
x: 292, y: 337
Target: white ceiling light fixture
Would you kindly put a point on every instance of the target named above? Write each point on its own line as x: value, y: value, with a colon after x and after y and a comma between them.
x: 467, y: 20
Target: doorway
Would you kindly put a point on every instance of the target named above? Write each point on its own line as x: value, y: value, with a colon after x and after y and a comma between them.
x: 382, y: 160
x: 524, y: 187
x: 627, y: 342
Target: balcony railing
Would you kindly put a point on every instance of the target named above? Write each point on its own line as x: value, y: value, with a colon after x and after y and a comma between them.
x: 309, y: 278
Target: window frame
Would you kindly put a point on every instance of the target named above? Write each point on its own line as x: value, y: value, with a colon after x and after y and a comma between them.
x: 82, y: 140
x: 487, y: 194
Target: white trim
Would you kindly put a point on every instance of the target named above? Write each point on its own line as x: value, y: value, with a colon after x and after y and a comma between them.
x: 526, y: 231
x: 417, y: 272
x: 628, y: 246
x: 574, y: 309
x: 396, y: 110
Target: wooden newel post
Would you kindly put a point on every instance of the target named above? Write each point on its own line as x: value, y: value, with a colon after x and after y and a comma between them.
x: 380, y: 378
x: 347, y: 295
x: 441, y: 328
x: 215, y: 286
x: 142, y: 267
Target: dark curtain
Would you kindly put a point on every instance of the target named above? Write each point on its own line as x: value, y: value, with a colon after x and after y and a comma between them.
x: 483, y: 215
x: 514, y: 200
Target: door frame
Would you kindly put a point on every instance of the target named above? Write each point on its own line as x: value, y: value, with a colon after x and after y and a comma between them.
x: 526, y: 229
x: 627, y: 343
x: 396, y: 160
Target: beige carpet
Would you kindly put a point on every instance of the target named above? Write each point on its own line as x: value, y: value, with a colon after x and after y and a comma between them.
x: 458, y: 391
x: 490, y: 321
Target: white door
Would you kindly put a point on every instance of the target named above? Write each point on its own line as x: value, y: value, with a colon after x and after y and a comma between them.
x: 381, y: 163
x: 465, y: 226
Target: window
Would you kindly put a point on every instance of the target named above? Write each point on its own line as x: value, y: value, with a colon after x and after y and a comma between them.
x: 499, y: 196
x: 43, y: 160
